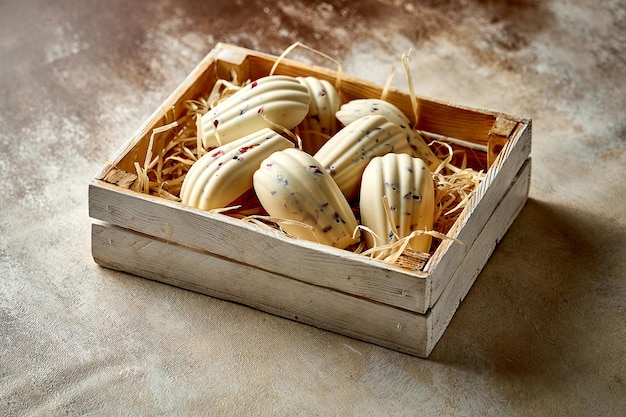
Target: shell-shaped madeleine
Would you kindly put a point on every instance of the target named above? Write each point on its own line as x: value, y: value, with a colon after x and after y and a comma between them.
x: 355, y: 109
x: 293, y: 186
x: 347, y: 153
x: 407, y: 185
x: 320, y: 123
x: 274, y: 100
x: 223, y: 174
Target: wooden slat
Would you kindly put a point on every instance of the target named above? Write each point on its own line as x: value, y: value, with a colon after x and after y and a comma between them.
x: 159, y: 260
x: 266, y: 249
x: 415, y: 334
x: 479, y: 253
x: 446, y: 260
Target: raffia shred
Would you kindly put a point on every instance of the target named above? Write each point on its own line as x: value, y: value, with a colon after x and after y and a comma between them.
x: 454, y: 186
x: 406, y: 58
x: 295, y: 45
x: 163, y: 170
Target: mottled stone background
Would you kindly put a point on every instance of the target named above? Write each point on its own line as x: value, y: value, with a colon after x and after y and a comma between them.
x: 543, y: 330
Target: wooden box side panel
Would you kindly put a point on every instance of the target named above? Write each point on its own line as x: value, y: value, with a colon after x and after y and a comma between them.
x: 449, y: 256
x: 232, y: 62
x: 433, y: 116
x: 355, y: 317
x: 265, y: 249
x: 479, y: 253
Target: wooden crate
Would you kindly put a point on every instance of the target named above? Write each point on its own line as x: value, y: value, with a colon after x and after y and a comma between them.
x: 332, y: 289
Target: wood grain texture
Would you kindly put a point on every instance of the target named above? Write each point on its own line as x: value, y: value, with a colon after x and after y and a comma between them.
x: 266, y: 249
x: 448, y: 257
x: 477, y: 256
x: 199, y: 271
x: 363, y: 319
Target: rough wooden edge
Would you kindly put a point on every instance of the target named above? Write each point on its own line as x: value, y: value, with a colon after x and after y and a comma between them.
x: 383, y: 325
x: 478, y: 255
x: 266, y: 249
x: 450, y: 254
x: 119, y: 177
x: 499, y: 135
x: 362, y: 319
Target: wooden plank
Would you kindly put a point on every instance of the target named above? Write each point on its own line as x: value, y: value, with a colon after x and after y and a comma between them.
x: 355, y: 317
x: 435, y: 116
x: 479, y: 253
x: 446, y: 260
x: 156, y: 259
x: 270, y: 250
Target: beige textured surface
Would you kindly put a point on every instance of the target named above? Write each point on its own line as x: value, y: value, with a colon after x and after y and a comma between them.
x: 542, y: 332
